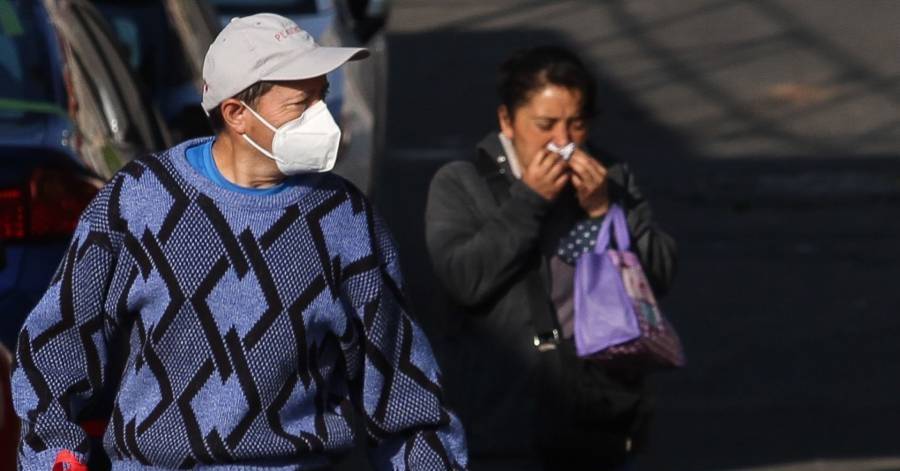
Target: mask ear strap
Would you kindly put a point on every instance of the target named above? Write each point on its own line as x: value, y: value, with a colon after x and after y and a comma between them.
x: 253, y: 143
x: 260, y: 118
x: 259, y: 148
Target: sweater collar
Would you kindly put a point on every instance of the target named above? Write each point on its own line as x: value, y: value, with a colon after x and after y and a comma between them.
x: 299, y: 187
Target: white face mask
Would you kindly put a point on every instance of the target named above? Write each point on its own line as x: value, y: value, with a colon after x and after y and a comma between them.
x: 565, y: 151
x: 308, y: 144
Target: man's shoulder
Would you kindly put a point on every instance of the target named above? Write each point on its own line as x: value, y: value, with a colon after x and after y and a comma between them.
x: 131, y: 181
x: 160, y: 164
x: 328, y: 190
x: 139, y: 182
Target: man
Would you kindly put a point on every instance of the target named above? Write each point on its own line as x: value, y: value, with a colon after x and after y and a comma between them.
x: 226, y: 303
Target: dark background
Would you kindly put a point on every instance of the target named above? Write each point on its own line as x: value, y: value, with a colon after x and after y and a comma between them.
x: 766, y: 134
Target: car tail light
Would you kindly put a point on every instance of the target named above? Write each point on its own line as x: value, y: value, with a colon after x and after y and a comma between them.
x: 47, y: 206
x: 13, y: 220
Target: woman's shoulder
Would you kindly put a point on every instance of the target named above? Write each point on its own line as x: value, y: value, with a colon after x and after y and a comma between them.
x: 457, y: 172
x: 457, y: 169
x: 459, y: 182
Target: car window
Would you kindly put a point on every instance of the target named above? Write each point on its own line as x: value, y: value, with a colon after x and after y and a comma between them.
x: 89, y: 107
x: 27, y: 90
x: 196, y: 25
x: 151, y: 45
x: 92, y: 74
x: 114, y: 125
x: 136, y: 110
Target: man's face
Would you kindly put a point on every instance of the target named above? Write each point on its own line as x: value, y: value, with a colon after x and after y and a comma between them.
x: 284, y: 102
x: 552, y: 114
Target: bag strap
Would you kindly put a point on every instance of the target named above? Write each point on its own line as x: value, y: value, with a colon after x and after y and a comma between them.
x: 616, y: 223
x: 547, y: 333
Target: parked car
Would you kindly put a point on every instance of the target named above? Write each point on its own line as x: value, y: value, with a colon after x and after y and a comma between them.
x: 165, y: 42
x: 357, y: 94
x: 71, y: 114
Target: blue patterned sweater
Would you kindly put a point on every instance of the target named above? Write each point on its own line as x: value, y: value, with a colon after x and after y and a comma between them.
x: 221, y: 330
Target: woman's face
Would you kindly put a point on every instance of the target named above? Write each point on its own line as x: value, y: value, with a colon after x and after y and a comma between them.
x: 551, y: 114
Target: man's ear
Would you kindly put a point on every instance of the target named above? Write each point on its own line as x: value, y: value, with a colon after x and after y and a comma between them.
x: 234, y: 114
x: 505, y: 121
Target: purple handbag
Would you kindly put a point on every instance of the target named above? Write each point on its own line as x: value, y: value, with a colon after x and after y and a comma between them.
x: 617, y: 319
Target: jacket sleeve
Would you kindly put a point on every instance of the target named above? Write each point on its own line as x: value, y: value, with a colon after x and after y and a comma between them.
x: 394, y: 378
x: 62, y: 352
x: 476, y: 255
x: 655, y: 248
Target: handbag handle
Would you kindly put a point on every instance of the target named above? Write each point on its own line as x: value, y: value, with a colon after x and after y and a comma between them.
x: 614, y: 221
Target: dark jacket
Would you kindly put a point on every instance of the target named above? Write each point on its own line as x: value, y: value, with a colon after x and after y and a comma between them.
x: 513, y: 399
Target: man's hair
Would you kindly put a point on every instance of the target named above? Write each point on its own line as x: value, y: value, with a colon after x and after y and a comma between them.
x: 528, y: 71
x: 250, y: 96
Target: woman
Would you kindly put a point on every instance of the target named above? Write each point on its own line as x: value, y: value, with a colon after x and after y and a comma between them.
x: 503, y: 233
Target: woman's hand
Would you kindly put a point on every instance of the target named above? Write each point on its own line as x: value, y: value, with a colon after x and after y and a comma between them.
x: 547, y: 174
x: 589, y: 180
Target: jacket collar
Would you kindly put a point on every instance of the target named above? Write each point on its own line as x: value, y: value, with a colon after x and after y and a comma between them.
x: 490, y: 152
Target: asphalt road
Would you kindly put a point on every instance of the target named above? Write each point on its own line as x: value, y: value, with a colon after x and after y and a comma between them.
x: 767, y: 135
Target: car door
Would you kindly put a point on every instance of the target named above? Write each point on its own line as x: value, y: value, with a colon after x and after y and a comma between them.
x: 196, y: 25
x: 115, y: 121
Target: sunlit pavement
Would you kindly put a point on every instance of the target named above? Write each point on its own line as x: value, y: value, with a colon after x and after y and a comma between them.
x: 875, y: 464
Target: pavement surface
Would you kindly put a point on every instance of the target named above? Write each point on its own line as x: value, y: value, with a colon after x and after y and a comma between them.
x: 767, y: 136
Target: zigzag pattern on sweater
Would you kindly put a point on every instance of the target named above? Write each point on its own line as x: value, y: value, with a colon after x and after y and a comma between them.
x: 248, y: 333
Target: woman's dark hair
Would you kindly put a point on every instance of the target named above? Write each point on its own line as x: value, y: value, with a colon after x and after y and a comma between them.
x: 529, y: 70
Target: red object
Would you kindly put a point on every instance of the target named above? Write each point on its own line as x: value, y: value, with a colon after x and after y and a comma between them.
x: 67, y: 461
x: 13, y: 219
x: 48, y: 206
x: 94, y: 428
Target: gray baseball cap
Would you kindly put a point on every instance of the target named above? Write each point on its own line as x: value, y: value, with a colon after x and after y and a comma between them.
x: 261, y: 47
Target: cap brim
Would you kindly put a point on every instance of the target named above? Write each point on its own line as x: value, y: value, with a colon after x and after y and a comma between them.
x: 314, y: 63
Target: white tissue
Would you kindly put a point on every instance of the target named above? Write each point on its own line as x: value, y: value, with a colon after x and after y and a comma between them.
x: 565, y: 151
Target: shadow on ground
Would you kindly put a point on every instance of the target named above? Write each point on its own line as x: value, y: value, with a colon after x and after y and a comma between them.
x: 783, y: 298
